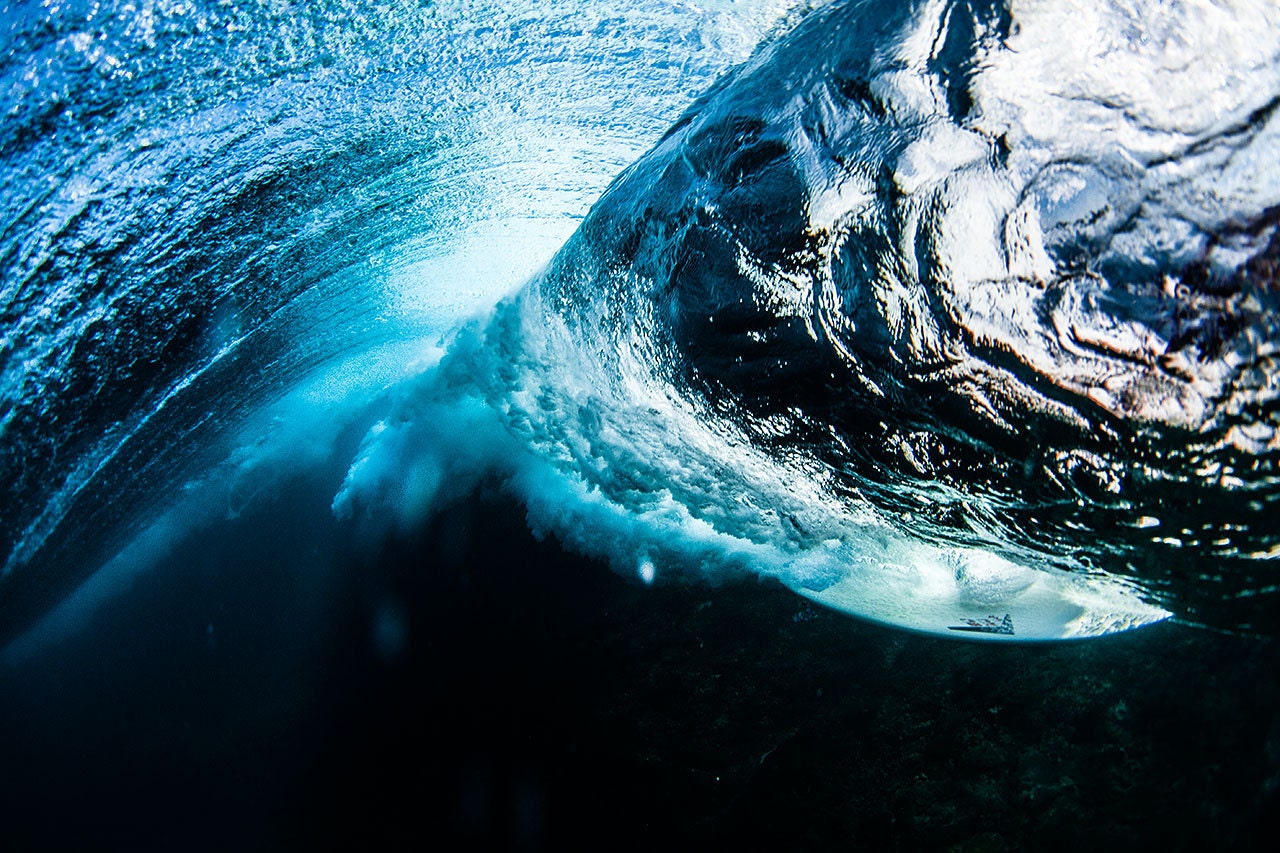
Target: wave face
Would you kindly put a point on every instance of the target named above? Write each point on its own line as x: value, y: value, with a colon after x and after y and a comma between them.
x: 205, y: 203
x: 922, y: 303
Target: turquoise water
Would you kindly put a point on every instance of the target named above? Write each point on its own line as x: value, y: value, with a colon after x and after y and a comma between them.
x: 477, y: 421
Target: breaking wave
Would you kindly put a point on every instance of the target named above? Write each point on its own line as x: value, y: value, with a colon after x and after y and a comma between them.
x: 960, y: 316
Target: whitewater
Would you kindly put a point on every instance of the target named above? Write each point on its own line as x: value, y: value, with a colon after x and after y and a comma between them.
x: 961, y: 317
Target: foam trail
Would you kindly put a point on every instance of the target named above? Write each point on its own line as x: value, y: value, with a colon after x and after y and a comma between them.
x: 647, y: 500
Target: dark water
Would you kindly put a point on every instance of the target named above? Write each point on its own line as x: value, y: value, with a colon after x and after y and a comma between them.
x: 474, y: 688
x: 418, y: 420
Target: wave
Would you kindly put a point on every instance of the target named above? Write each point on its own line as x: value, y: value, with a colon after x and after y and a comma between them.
x: 960, y: 316
x: 938, y: 315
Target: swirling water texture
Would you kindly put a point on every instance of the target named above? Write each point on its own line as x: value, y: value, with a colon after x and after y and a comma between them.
x: 1021, y: 273
x: 986, y: 276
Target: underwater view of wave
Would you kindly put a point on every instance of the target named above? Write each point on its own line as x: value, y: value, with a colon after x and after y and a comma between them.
x: 932, y: 313
x: 956, y: 316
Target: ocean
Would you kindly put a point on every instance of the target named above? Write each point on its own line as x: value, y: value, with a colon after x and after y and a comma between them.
x: 496, y: 425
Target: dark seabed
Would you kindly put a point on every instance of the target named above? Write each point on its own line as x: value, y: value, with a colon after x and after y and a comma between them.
x: 473, y: 688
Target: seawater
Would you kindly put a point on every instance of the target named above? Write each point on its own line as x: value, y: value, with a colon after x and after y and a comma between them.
x: 210, y: 207
x: 347, y: 346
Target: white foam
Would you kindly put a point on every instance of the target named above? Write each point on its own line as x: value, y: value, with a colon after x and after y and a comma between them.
x: 625, y: 471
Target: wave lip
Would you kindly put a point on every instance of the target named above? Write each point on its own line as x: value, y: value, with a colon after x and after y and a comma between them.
x: 977, y: 595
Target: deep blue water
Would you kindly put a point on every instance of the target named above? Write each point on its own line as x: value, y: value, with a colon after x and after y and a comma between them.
x: 534, y: 426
